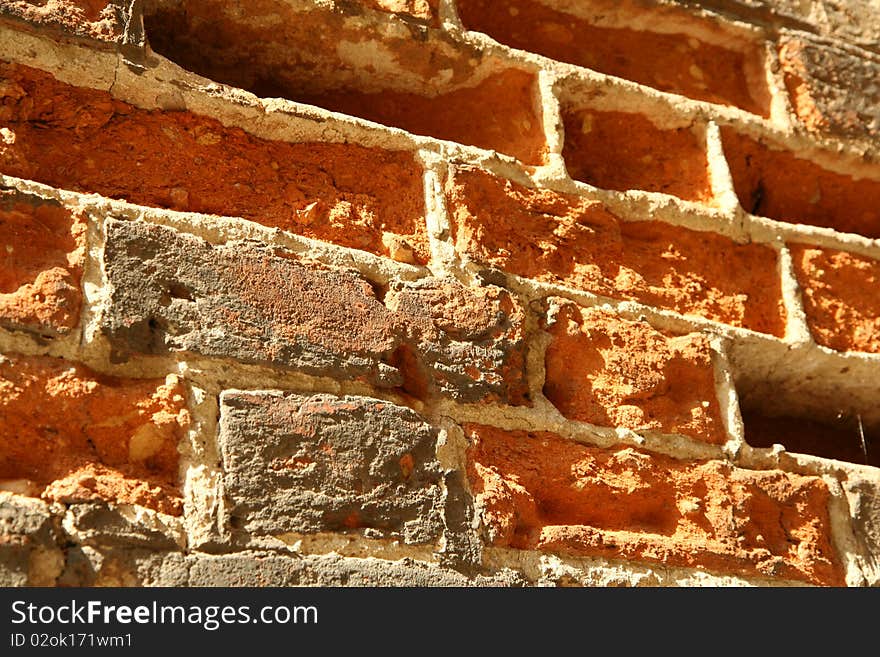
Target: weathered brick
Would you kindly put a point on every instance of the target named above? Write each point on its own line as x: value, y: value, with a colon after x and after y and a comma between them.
x: 668, y: 61
x: 558, y: 238
x: 268, y: 569
x: 831, y: 87
x: 71, y: 435
x: 423, y: 81
x: 42, y: 245
x: 29, y: 543
x: 101, y: 20
x: 778, y: 184
x: 422, y: 10
x: 173, y: 292
x: 839, y: 291
x: 622, y: 151
x: 612, y: 372
x: 84, y: 140
x: 304, y: 464
x: 864, y: 497
x: 539, y: 491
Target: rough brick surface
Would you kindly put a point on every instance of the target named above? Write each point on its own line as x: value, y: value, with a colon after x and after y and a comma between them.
x: 83, y: 140
x: 72, y: 435
x: 41, y: 258
x: 840, y: 297
x: 618, y: 150
x: 541, y: 491
x: 612, y: 372
x: 565, y: 239
x: 29, y: 551
x: 826, y: 86
x: 776, y: 183
x: 673, y: 62
x: 173, y: 292
x: 303, y: 464
x: 427, y: 86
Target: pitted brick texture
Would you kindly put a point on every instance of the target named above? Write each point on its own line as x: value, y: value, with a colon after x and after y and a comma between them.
x: 41, y: 257
x: 84, y: 140
x: 303, y: 464
x: 72, y: 435
x: 177, y: 293
x: 611, y: 372
x: 622, y: 327
x: 541, y: 491
x: 559, y: 238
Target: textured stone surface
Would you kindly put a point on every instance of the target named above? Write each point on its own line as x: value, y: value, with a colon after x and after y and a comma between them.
x: 103, y: 525
x: 42, y: 245
x: 840, y: 295
x: 833, y: 90
x: 82, y: 139
x: 123, y: 567
x: 302, y: 464
x: 417, y: 80
x: 267, y: 569
x: 174, y: 292
x: 622, y: 151
x: 617, y: 373
x: 864, y: 495
x: 673, y: 62
x: 780, y: 185
x: 103, y: 20
x: 539, y: 491
x: 29, y: 551
x: 71, y: 435
x: 558, y: 238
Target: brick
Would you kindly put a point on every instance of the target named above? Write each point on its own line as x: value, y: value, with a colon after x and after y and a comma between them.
x: 268, y: 569
x: 42, y: 247
x: 29, y: 543
x: 128, y: 567
x: 623, y: 151
x: 612, y: 372
x: 839, y: 292
x: 557, y: 238
x: 864, y: 497
x: 84, y: 140
x: 305, y: 464
x: 673, y: 62
x: 423, y: 81
x: 778, y: 184
x: 539, y: 491
x: 100, y: 20
x: 102, y: 525
x: 422, y: 10
x: 71, y: 435
x: 176, y: 293
x: 830, y: 87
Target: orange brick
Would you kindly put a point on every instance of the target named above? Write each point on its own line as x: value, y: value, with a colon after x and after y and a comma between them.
x: 776, y: 184
x: 840, y: 295
x: 564, y: 239
x: 71, y: 435
x: 42, y: 247
x: 82, y: 139
x: 669, y: 62
x: 621, y: 151
x: 612, y: 372
x: 540, y: 491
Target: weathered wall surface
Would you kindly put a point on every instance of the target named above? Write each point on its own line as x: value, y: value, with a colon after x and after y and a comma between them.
x: 439, y: 292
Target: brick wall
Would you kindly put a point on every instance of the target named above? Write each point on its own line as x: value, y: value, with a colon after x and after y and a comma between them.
x: 439, y: 292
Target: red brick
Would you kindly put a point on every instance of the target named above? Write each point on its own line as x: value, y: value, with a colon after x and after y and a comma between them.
x: 613, y: 372
x: 840, y: 295
x: 82, y: 139
x: 94, y: 19
x: 775, y: 183
x: 673, y: 62
x: 558, y: 238
x: 42, y: 246
x: 74, y: 435
x: 622, y: 151
x: 540, y: 491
